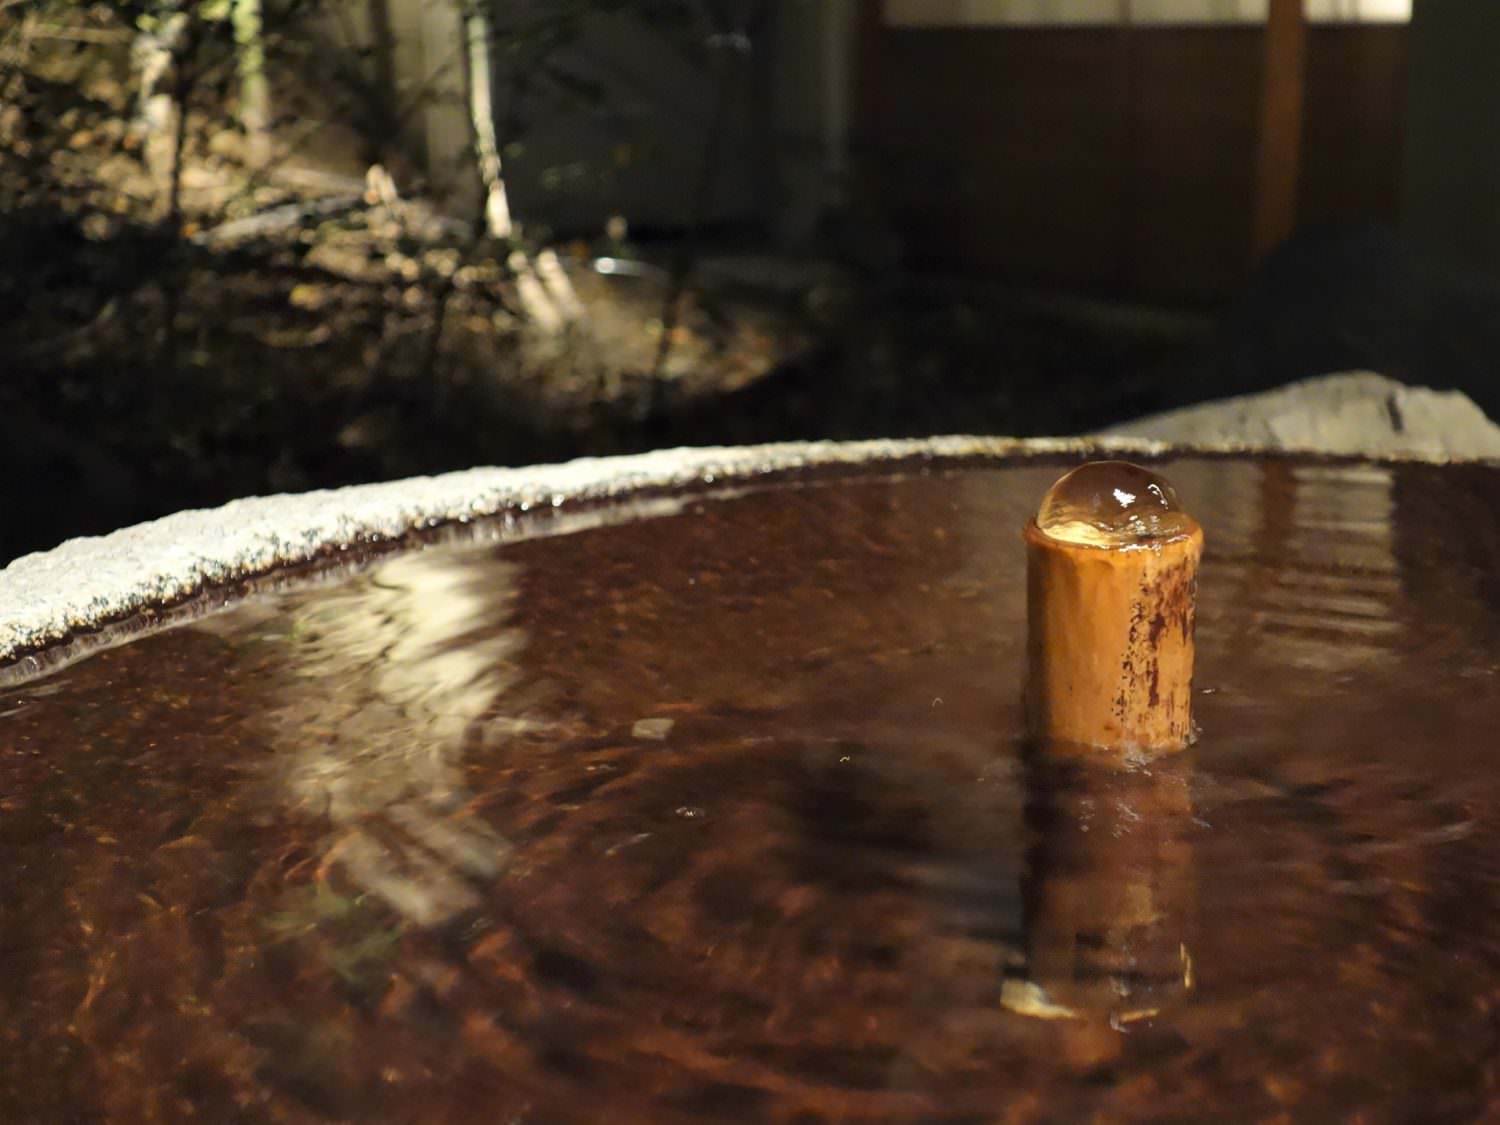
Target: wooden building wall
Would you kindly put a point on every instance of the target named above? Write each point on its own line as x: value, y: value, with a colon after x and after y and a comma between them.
x: 1108, y: 160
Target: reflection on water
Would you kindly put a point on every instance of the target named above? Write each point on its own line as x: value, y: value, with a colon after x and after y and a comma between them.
x: 384, y: 682
x: 1310, y: 577
x: 1109, y: 890
x: 745, y: 830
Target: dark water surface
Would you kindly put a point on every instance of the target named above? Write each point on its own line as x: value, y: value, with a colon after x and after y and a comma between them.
x: 726, y: 815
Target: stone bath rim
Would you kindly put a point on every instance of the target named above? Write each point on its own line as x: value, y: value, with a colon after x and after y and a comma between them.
x: 61, y: 598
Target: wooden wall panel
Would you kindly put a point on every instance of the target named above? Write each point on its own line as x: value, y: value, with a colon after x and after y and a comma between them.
x: 1352, y: 122
x: 1190, y: 158
x: 977, y: 154
x: 1109, y: 161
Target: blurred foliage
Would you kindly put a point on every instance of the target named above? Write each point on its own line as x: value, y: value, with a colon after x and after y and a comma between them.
x: 248, y: 327
x: 153, y: 17
x: 287, y: 326
x: 67, y: 68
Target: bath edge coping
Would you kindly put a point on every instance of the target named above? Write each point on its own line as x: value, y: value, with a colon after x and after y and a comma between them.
x: 86, y: 583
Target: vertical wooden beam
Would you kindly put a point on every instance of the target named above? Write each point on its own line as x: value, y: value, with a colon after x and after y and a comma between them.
x: 1279, y: 157
x: 1449, y: 144
x: 764, y: 152
x: 1126, y: 156
x: 839, y: 39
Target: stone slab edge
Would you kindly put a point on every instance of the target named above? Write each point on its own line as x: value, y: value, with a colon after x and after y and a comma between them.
x: 83, y: 584
x: 1353, y: 413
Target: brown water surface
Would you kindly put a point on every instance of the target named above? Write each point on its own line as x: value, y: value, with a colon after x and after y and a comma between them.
x: 725, y: 815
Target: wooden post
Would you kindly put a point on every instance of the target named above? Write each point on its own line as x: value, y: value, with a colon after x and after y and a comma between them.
x: 1278, y: 163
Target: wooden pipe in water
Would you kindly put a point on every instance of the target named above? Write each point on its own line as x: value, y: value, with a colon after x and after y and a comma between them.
x: 1112, y: 569
x: 1109, y: 892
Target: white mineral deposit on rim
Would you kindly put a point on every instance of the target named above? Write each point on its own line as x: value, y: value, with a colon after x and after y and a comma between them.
x: 84, y: 583
x: 1112, y: 504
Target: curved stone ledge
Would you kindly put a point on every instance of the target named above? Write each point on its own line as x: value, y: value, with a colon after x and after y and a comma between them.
x: 85, y: 584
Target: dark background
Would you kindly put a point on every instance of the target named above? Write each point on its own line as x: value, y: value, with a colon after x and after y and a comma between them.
x: 780, y: 219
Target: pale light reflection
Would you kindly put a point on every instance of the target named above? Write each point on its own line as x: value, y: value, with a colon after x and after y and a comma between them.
x: 1302, y: 568
x: 1338, y: 570
x: 389, y: 675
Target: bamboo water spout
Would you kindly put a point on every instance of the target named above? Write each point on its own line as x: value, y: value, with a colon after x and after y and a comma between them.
x: 1110, y: 896
x: 1112, y: 564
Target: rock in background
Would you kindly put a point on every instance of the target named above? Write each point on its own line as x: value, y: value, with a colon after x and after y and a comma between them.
x: 1358, y: 413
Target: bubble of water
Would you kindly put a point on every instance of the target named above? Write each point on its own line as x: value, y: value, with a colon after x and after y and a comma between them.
x: 1112, y: 504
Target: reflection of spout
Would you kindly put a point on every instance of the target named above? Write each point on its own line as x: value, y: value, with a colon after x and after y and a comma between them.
x: 391, y: 673
x: 1109, y: 892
